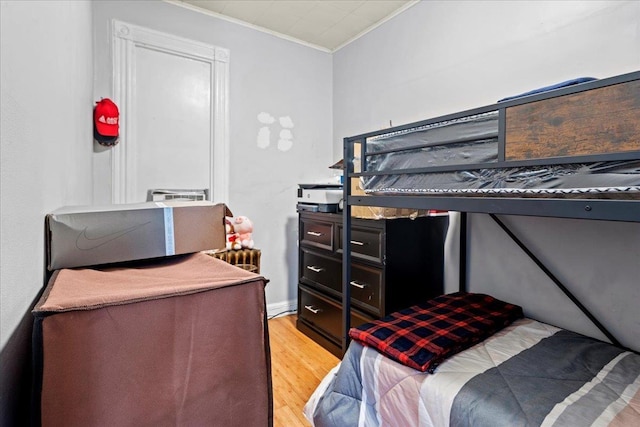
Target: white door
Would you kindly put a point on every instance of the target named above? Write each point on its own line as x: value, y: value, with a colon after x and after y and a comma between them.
x: 170, y: 102
x: 173, y: 112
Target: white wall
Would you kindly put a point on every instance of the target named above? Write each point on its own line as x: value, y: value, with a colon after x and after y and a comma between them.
x: 596, y: 260
x: 267, y: 74
x: 441, y: 57
x: 45, y: 139
x: 46, y: 135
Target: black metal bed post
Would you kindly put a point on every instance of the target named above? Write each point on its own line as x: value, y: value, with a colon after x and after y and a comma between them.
x: 462, y: 266
x: 346, y: 239
x: 556, y: 281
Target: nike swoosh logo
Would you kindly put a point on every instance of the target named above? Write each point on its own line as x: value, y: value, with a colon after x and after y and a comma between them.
x: 86, y: 243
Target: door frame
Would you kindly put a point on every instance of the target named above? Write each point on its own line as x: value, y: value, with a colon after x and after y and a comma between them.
x: 125, y: 39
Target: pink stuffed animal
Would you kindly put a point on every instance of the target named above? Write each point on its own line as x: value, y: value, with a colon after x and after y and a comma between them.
x: 239, y: 231
x: 243, y: 228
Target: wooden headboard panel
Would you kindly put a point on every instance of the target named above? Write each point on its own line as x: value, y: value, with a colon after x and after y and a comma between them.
x: 576, y: 124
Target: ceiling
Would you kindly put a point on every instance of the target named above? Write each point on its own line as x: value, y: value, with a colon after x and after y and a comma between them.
x: 324, y: 24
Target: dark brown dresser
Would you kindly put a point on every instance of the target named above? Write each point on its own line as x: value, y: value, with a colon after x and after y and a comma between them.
x: 395, y: 263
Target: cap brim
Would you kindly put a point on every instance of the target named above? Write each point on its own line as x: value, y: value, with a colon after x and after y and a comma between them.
x: 106, y: 130
x: 105, y: 140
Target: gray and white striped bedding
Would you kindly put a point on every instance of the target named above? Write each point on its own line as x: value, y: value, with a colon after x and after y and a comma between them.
x: 529, y: 374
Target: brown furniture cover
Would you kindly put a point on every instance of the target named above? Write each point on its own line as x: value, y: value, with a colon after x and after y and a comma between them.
x: 180, y: 341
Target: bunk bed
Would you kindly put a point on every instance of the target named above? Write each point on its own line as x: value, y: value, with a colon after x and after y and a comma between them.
x: 570, y: 151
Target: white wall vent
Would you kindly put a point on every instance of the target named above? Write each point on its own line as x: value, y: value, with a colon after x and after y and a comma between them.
x: 182, y: 195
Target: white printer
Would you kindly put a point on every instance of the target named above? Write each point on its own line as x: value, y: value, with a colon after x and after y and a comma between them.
x: 319, y: 197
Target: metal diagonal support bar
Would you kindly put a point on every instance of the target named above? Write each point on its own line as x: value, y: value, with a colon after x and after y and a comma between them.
x: 557, y: 282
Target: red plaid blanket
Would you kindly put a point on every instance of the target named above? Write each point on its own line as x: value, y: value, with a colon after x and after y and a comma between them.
x: 424, y: 335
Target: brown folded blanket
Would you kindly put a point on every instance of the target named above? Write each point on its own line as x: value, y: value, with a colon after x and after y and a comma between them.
x: 89, y: 288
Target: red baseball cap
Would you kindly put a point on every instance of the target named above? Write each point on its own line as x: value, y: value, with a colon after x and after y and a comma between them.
x: 106, y: 118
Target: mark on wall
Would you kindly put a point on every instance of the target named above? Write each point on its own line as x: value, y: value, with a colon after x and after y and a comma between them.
x: 264, y: 137
x: 285, y: 136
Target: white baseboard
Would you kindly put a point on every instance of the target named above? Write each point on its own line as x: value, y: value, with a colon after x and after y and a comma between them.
x: 282, y: 308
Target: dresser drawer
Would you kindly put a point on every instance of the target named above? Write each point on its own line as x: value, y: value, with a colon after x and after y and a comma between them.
x: 366, y: 284
x: 316, y: 233
x: 366, y: 243
x: 320, y: 270
x: 326, y: 314
x: 321, y: 313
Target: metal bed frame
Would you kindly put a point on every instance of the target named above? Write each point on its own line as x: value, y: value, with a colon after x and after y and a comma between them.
x: 582, y: 208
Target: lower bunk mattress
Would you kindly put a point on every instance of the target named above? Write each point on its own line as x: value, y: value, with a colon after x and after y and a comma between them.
x: 176, y: 341
x: 527, y: 374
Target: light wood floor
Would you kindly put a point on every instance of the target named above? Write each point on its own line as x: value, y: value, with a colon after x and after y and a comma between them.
x: 298, y: 365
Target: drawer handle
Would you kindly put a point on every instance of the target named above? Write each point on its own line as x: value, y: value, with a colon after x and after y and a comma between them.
x: 358, y: 285
x: 355, y: 242
x: 314, y: 233
x: 315, y: 269
x: 313, y: 310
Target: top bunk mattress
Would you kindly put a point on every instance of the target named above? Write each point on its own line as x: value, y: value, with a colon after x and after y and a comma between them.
x: 581, y: 144
x: 619, y: 179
